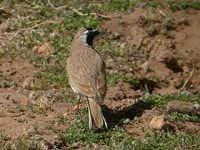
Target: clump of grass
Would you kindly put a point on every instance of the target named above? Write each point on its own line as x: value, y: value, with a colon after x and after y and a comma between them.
x: 22, y: 144
x: 61, y: 119
x: 154, y: 4
x: 113, y: 78
x: 80, y: 133
x: 119, y: 5
x: 3, y: 139
x: 185, y: 4
x: 162, y: 100
x: 55, y: 79
x: 175, y: 116
x: 112, y: 47
x: 117, y: 138
x: 167, y: 140
x: 40, y: 108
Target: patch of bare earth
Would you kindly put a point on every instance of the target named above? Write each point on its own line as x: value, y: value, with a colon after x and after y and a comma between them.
x: 16, y: 118
x: 165, y: 44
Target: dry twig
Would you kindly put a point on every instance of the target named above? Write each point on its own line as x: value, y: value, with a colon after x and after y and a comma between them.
x: 35, y: 26
x: 188, y: 79
x: 92, y: 14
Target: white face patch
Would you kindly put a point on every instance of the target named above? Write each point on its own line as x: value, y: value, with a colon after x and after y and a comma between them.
x: 84, y: 37
x: 86, y: 32
x: 87, y: 37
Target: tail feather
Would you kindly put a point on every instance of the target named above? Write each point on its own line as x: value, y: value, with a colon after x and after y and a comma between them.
x: 96, y: 118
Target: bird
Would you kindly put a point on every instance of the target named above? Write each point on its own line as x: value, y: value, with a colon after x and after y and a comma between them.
x: 87, y: 76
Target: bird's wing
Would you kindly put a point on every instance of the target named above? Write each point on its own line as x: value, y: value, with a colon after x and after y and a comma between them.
x: 88, y: 79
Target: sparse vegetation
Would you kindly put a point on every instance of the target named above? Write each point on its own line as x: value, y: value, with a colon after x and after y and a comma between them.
x: 185, y: 4
x: 183, y: 117
x: 117, y: 138
x: 162, y: 100
x: 26, y: 24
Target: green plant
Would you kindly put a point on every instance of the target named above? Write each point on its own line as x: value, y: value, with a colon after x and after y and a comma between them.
x: 161, y: 100
x: 79, y: 133
x: 175, y: 116
x: 185, y: 4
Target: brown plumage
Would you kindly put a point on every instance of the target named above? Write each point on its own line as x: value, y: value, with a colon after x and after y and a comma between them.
x: 86, y: 71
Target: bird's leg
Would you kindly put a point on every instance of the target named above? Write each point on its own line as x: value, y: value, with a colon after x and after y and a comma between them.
x: 76, y: 107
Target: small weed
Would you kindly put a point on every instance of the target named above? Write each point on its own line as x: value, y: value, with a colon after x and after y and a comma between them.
x: 161, y: 100
x: 3, y: 139
x: 113, y: 78
x: 112, y: 48
x: 167, y: 140
x: 175, y: 116
x: 42, y: 107
x: 61, y: 119
x: 55, y: 79
x: 22, y: 144
x: 185, y: 4
x: 154, y: 4
x: 134, y: 81
x: 119, y: 5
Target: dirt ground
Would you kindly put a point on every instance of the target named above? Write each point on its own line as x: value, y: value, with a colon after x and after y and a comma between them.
x: 163, y: 44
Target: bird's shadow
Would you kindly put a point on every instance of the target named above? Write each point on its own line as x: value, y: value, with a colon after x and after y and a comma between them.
x: 115, y: 117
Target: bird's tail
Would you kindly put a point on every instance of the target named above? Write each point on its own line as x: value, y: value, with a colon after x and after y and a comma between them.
x: 96, y: 118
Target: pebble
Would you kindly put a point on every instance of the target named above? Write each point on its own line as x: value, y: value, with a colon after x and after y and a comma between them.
x: 28, y: 83
x: 43, y: 50
x: 158, y: 123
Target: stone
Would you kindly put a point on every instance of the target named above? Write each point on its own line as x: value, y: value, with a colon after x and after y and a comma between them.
x: 182, y: 107
x: 28, y: 83
x: 111, y: 63
x: 43, y: 50
x: 158, y: 123
x: 4, y: 27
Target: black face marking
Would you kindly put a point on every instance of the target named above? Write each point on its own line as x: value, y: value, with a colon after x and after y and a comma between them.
x: 90, y: 36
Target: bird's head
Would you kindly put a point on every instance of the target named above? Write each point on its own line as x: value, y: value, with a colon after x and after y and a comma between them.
x: 86, y: 35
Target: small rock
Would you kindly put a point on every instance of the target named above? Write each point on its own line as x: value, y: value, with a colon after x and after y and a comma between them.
x: 65, y: 115
x: 158, y: 123
x: 186, y: 69
x: 146, y: 67
x: 4, y: 27
x: 182, y: 107
x: 53, y: 34
x: 116, y: 36
x: 12, y: 72
x: 110, y: 63
x: 184, y: 21
x: 126, y: 121
x: 28, y: 83
x: 43, y: 50
x: 31, y: 94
